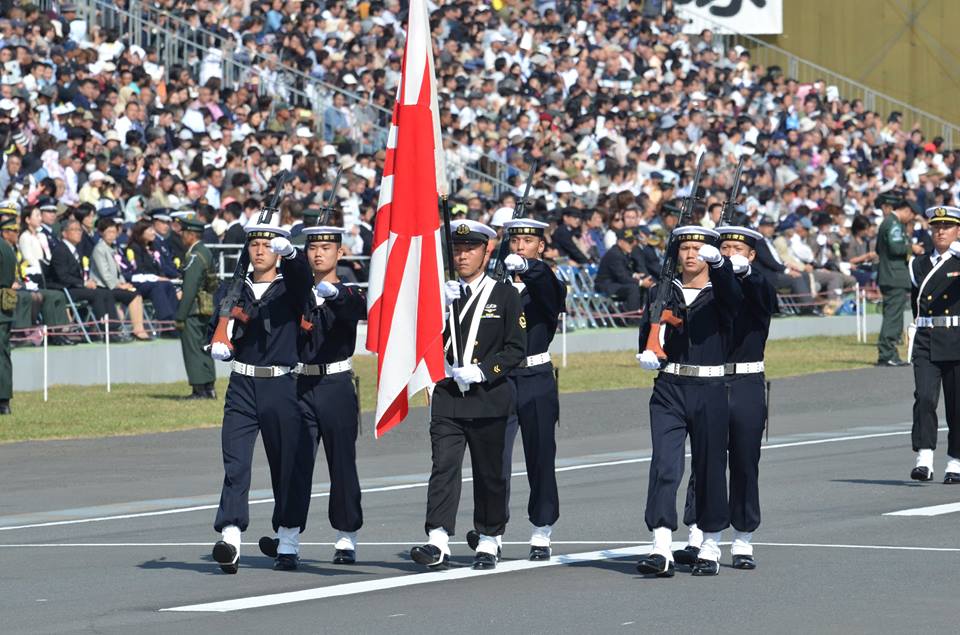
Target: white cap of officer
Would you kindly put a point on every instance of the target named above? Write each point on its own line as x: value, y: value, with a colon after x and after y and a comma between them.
x: 470, y: 231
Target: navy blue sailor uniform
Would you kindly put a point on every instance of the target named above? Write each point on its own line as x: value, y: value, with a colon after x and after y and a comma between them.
x: 537, y: 406
x: 262, y: 394
x: 690, y: 397
x: 935, y: 352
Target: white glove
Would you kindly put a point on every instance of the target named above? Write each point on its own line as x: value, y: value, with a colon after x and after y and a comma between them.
x: 139, y: 278
x: 515, y: 263
x: 649, y: 360
x: 30, y: 285
x: 327, y: 290
x: 466, y: 375
x: 220, y: 351
x: 821, y: 239
x: 710, y: 254
x: 954, y: 249
x: 741, y: 264
x: 451, y: 291
x: 281, y: 246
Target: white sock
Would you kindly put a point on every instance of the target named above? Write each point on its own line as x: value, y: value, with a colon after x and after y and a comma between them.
x: 925, y: 459
x: 541, y: 536
x: 695, y: 536
x: 231, y: 536
x: 500, y: 541
x: 346, y: 540
x: 289, y: 540
x: 487, y: 544
x: 710, y: 549
x: 741, y: 543
x: 439, y: 538
x: 953, y: 465
x: 663, y: 542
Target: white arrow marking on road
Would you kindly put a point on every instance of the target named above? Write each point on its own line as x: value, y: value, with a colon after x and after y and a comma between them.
x: 933, y: 510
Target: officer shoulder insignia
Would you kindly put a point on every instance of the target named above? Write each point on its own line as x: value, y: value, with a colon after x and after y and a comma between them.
x: 523, y: 321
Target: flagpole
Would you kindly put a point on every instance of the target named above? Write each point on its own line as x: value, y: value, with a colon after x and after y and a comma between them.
x: 452, y: 274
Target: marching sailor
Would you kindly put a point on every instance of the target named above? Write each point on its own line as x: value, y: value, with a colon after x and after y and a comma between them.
x: 470, y: 408
x: 746, y: 390
x: 690, y: 397
x: 935, y: 299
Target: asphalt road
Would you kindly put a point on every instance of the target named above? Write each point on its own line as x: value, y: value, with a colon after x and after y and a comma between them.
x: 102, y: 535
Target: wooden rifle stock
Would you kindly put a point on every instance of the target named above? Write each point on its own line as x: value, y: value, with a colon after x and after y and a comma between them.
x: 653, y: 338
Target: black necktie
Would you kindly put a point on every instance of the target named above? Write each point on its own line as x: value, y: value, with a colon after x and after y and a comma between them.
x: 466, y: 292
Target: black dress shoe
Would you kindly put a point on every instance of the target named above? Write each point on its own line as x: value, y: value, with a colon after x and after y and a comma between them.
x: 286, y: 562
x: 227, y: 556
x: 210, y: 393
x: 950, y: 478
x: 61, y: 340
x: 747, y: 563
x: 483, y: 561
x: 431, y: 556
x: 921, y: 474
x: 5, y: 407
x: 686, y: 556
x: 892, y: 363
x: 537, y: 553
x: 344, y: 556
x: 656, y: 564
x: 269, y: 546
x: 473, y: 540
x: 706, y: 567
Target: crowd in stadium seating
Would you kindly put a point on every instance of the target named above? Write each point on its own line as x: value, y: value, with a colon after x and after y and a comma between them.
x: 612, y: 98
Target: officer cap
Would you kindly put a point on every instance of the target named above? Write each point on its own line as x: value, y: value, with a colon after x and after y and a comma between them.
x: 525, y: 227
x: 324, y: 234
x: 895, y: 197
x: 183, y: 215
x: 943, y: 214
x: 161, y: 214
x: 470, y: 231
x: 745, y: 235
x: 767, y: 220
x: 47, y: 203
x: 629, y: 234
x: 192, y: 224
x: 9, y: 223
x: 697, y: 233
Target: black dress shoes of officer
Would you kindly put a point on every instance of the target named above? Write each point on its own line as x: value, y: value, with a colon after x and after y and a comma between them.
x: 344, y: 556
x: 686, y: 556
x: 431, y: 556
x: 538, y: 553
x: 227, y: 556
x: 950, y: 478
x: 269, y: 546
x: 747, y: 563
x: 5, y: 407
x: 706, y: 567
x: 473, y: 539
x: 892, y: 363
x: 483, y: 561
x: 286, y: 562
x: 921, y: 474
x: 656, y: 564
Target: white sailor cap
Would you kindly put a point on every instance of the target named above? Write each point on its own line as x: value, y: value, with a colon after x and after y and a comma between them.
x: 265, y: 230
x: 742, y: 234
x: 324, y: 234
x: 525, y: 226
x: 695, y: 232
x: 470, y: 231
x: 943, y: 214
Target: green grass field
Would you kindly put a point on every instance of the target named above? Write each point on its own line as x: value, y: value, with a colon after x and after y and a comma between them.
x: 89, y: 411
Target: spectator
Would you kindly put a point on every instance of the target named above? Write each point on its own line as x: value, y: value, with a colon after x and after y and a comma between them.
x: 147, y: 271
x: 860, y: 250
x: 617, y: 278
x: 34, y: 245
x: 566, y: 235
x: 106, y: 272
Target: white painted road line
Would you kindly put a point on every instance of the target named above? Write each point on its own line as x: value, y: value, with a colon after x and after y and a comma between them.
x: 34, y: 545
x: 393, y: 488
x: 933, y: 510
x: 464, y: 573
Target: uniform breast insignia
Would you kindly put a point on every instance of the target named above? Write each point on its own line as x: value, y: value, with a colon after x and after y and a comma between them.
x: 953, y: 274
x: 490, y: 311
x: 523, y: 321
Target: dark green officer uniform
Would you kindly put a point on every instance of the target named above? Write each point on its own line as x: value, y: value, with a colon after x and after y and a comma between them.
x: 196, y: 306
x: 893, y: 278
x: 8, y: 304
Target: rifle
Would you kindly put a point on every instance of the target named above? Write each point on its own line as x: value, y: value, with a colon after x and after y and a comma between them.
x: 729, y: 206
x: 327, y: 210
x: 499, y: 269
x: 228, y: 305
x: 658, y: 314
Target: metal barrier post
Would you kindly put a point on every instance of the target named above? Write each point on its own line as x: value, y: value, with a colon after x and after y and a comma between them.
x: 563, y: 337
x: 45, y: 366
x: 106, y: 339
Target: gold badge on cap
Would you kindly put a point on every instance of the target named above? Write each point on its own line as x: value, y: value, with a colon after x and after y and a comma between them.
x: 463, y: 229
x: 940, y: 212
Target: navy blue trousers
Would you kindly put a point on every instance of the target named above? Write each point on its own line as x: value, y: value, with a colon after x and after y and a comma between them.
x: 163, y: 295
x: 680, y: 406
x: 328, y: 406
x: 267, y: 406
x: 748, y: 409
x: 537, y: 408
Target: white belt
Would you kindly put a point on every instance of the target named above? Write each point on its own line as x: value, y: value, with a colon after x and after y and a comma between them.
x: 324, y: 369
x: 744, y: 368
x: 940, y: 320
x: 259, y: 371
x: 537, y: 360
x: 685, y: 370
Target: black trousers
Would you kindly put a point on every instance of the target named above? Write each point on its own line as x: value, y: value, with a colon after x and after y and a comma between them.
x: 328, y: 406
x: 629, y: 295
x: 698, y: 407
x: 748, y: 409
x: 267, y: 406
x: 928, y: 377
x: 163, y: 295
x: 485, y: 438
x: 536, y: 413
x: 100, y: 299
